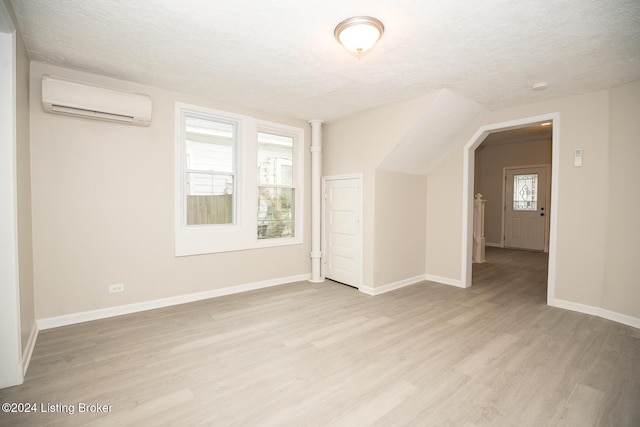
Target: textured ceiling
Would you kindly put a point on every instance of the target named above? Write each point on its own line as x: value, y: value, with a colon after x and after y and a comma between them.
x: 281, y: 57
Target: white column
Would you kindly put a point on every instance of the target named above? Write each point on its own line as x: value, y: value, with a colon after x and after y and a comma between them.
x: 478, y: 229
x: 316, y: 200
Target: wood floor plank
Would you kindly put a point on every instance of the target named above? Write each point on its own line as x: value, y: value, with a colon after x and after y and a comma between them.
x: 582, y: 407
x: 309, y: 354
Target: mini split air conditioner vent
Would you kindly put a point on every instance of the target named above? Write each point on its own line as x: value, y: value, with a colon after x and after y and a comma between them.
x: 73, y: 98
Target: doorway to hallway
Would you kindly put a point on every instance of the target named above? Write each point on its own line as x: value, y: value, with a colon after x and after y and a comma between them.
x: 470, y: 173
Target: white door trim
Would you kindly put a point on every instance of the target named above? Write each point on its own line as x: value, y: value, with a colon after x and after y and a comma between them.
x: 11, y: 369
x: 467, y: 195
x: 547, y: 200
x: 360, y: 245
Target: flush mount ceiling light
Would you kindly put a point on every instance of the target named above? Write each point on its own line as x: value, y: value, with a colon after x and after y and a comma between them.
x: 359, y: 34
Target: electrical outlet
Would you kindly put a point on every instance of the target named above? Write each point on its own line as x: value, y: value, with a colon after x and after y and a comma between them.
x: 114, y: 289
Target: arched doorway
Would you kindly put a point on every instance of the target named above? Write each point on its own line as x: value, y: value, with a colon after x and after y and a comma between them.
x: 468, y: 189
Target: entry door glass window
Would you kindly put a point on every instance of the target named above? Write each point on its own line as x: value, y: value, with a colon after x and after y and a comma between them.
x: 525, y: 192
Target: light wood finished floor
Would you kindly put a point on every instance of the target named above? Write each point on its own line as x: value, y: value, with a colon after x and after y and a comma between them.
x: 324, y: 354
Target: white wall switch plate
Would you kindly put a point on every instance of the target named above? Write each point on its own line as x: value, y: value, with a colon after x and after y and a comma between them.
x: 577, y: 160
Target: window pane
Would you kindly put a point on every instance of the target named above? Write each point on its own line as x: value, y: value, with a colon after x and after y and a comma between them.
x: 209, y: 184
x: 525, y: 192
x: 210, y: 145
x: 276, y: 207
x: 275, y: 159
x: 210, y: 168
x: 212, y: 202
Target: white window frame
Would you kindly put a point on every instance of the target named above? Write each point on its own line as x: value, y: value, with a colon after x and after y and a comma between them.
x: 243, y: 234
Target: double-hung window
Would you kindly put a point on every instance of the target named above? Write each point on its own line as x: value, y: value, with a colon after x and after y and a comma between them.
x: 239, y: 182
x: 276, y: 189
x: 210, y: 169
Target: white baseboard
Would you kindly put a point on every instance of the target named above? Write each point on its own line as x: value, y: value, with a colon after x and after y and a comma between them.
x: 28, y: 351
x: 597, y: 311
x: 494, y: 245
x: 367, y: 290
x: 391, y: 286
x: 86, y: 316
x: 444, y: 280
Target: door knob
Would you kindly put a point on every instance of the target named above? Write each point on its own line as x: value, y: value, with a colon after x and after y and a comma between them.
x: 542, y: 214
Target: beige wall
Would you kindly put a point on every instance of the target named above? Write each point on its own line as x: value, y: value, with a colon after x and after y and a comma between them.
x: 93, y: 227
x: 622, y: 276
x: 594, y: 245
x: 583, y: 193
x: 103, y: 211
x: 581, y: 237
x: 358, y: 144
x: 400, y: 226
x: 490, y: 161
x: 444, y: 218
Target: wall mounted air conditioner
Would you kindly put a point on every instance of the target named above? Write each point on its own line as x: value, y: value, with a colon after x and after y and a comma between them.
x: 73, y: 98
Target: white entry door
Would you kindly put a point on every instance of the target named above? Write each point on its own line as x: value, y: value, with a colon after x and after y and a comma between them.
x: 343, y: 231
x: 526, y: 211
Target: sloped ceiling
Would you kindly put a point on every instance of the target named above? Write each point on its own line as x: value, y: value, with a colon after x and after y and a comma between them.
x: 434, y: 135
x: 281, y: 56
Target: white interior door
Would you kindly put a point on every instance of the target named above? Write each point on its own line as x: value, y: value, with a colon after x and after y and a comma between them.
x: 526, y: 213
x: 343, y: 231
